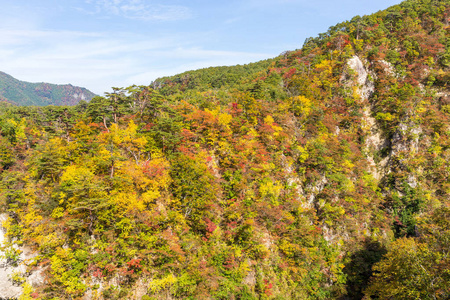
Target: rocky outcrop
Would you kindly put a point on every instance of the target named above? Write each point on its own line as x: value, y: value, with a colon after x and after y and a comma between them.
x: 375, y: 141
x: 9, y: 288
x: 404, y: 140
x: 365, y: 86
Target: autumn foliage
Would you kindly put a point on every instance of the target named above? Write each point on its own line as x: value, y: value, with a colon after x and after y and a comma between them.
x: 292, y: 178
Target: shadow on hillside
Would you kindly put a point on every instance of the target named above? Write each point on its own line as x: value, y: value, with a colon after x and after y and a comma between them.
x: 359, y: 268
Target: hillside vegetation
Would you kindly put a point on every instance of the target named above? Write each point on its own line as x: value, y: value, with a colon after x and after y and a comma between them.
x: 320, y: 174
x: 25, y: 93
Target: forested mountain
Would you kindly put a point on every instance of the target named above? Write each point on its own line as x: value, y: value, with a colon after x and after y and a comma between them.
x: 320, y: 174
x: 25, y: 93
x: 211, y: 78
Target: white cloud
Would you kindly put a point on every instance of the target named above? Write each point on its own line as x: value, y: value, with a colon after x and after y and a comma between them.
x: 99, y: 61
x: 140, y: 10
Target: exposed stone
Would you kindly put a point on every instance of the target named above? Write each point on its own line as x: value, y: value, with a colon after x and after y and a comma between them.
x: 250, y: 279
x: 406, y: 138
x: 366, y: 87
x: 8, y: 288
x: 387, y: 67
x: 267, y: 240
x: 374, y: 140
x: 317, y: 188
x: 412, y: 181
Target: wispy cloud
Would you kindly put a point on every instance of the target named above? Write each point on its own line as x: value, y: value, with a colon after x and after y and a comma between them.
x: 140, y: 10
x: 99, y: 60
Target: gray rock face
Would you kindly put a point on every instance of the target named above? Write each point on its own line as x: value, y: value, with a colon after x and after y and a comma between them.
x: 366, y: 87
x: 374, y: 141
x: 8, y: 290
x: 406, y: 138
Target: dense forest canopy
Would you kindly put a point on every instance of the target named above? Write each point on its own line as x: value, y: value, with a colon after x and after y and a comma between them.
x: 320, y: 174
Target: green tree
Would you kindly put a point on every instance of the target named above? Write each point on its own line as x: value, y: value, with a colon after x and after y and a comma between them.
x: 83, y: 194
x: 193, y: 188
x: 416, y: 268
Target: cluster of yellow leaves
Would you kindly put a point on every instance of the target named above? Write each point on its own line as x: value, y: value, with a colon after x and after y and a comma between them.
x: 60, y: 264
x: 223, y: 119
x: 19, y: 129
x: 270, y: 189
x: 144, y: 183
x: 270, y: 121
x: 157, y: 285
x: 301, y: 105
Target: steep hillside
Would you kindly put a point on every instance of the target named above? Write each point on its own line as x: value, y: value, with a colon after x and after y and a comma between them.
x: 26, y: 93
x: 320, y: 174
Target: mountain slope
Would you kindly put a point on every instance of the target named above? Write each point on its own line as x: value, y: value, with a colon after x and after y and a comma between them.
x: 320, y: 174
x: 26, y: 93
x: 207, y: 78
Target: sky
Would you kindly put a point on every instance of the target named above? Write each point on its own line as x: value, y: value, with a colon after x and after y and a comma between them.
x: 99, y: 44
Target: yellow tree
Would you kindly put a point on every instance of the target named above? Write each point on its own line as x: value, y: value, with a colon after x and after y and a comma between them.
x: 83, y: 194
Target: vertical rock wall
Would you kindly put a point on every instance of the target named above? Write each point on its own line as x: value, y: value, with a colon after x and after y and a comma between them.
x: 8, y: 290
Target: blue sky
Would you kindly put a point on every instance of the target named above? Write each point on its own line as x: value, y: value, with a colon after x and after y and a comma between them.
x: 99, y: 44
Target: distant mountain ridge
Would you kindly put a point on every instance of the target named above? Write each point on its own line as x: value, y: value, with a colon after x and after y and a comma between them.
x: 24, y: 93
